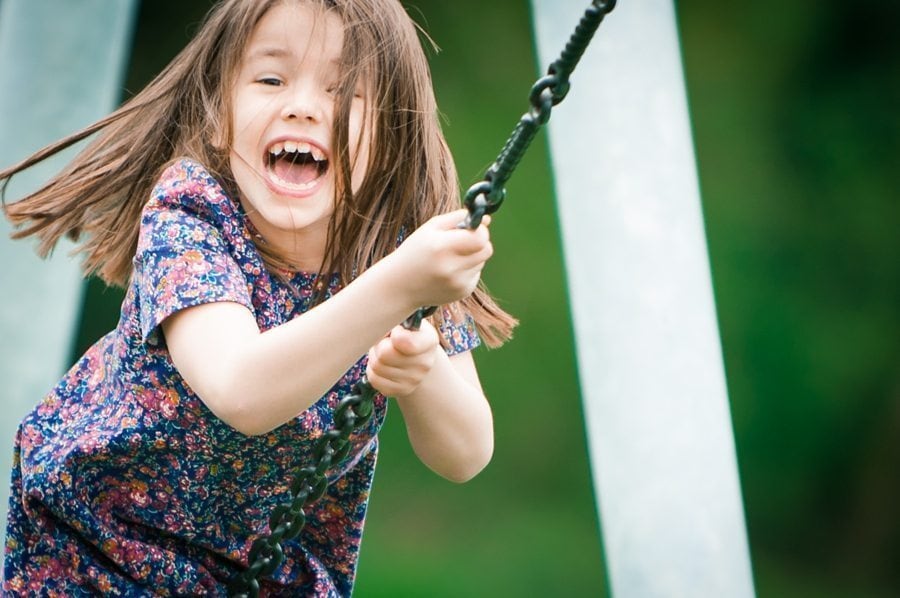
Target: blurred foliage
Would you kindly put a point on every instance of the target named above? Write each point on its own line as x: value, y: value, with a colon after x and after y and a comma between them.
x: 794, y: 107
x: 798, y: 139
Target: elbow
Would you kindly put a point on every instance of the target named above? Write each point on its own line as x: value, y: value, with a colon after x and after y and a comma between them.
x: 468, y: 453
x: 237, y: 411
x: 473, y: 463
x: 248, y: 425
x: 242, y: 419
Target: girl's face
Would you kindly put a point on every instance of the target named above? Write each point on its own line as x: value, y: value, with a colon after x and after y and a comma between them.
x: 283, y: 108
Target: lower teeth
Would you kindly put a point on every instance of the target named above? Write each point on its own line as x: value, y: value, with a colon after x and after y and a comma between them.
x: 295, y: 186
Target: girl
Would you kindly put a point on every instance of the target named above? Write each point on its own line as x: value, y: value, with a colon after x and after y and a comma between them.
x: 253, y: 199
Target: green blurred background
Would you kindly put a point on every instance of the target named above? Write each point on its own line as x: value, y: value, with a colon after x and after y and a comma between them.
x: 795, y: 114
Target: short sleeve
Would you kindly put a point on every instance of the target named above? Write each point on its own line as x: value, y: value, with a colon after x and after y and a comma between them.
x: 182, y: 261
x: 459, y: 333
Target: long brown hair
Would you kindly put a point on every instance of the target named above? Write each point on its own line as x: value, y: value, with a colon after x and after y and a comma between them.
x: 186, y: 111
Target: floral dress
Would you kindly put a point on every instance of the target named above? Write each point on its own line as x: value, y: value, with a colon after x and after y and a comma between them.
x: 125, y: 484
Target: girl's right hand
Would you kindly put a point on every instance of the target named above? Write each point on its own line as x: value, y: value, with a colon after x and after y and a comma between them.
x: 441, y: 263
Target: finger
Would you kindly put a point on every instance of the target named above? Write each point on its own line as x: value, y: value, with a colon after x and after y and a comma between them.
x: 385, y: 386
x: 383, y: 352
x: 450, y: 220
x: 467, y: 242
x: 411, y: 343
x: 388, y: 374
x: 386, y: 355
x: 477, y: 258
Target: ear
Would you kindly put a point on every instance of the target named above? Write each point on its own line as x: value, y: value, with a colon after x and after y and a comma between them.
x: 219, y: 123
x: 219, y: 138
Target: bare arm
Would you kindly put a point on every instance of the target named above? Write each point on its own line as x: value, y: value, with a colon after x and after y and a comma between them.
x: 448, y: 419
x: 256, y: 381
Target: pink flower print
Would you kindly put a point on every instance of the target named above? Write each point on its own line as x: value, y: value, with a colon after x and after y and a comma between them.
x: 175, y: 277
x: 111, y: 548
x: 194, y: 260
x: 31, y: 437
x: 169, y: 520
x: 98, y: 372
x: 146, y: 397
x: 198, y: 235
x: 16, y: 584
x: 49, y: 405
x: 103, y: 583
x: 169, y: 402
x: 138, y: 494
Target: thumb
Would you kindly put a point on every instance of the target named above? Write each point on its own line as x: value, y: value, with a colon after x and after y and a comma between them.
x: 449, y: 220
x: 413, y: 342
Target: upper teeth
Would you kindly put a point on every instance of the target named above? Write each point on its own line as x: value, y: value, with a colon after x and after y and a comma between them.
x: 294, y: 147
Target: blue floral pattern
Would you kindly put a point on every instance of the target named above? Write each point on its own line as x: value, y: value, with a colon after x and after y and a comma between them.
x: 124, y: 483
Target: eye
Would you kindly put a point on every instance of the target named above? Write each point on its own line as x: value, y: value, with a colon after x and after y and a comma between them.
x: 273, y: 81
x: 362, y: 89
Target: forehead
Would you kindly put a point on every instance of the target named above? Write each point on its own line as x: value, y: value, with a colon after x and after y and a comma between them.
x: 296, y: 31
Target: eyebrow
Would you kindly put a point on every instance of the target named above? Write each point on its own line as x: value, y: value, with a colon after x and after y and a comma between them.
x: 269, y: 52
x: 277, y: 52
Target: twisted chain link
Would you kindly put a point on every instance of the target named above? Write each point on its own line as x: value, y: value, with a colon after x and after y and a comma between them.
x: 485, y: 196
x: 356, y: 410
x: 308, y: 486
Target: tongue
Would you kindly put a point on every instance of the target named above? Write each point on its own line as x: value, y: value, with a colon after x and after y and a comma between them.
x: 297, y: 173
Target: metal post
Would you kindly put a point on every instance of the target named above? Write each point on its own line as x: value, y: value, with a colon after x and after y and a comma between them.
x: 61, y: 67
x: 650, y: 365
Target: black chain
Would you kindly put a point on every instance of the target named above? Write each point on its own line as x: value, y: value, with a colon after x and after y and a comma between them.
x: 309, y: 484
x: 485, y: 196
x: 356, y: 410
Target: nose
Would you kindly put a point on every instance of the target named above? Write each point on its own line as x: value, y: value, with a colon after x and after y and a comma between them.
x: 303, y: 102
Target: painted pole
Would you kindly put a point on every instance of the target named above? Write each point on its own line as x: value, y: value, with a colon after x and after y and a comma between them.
x: 61, y: 68
x: 649, y: 357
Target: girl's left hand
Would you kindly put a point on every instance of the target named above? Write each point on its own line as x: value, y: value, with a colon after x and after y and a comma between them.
x: 400, y: 361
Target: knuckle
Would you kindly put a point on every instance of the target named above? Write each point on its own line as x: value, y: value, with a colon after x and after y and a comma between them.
x: 405, y: 345
x: 373, y: 369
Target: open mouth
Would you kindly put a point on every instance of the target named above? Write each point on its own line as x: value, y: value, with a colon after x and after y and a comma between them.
x: 296, y: 165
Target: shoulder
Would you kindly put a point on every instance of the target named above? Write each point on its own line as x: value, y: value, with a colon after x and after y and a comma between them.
x: 187, y: 183
x: 187, y: 203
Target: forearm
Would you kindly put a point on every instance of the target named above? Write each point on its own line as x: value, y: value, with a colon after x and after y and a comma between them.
x: 257, y: 381
x: 449, y: 422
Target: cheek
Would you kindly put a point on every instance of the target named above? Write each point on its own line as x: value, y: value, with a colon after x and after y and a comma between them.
x: 358, y: 119
x: 360, y: 143
x: 360, y: 155
x: 238, y: 110
x: 247, y: 116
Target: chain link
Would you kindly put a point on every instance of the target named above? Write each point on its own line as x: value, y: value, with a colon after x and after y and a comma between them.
x: 356, y: 410
x: 308, y: 486
x: 485, y: 196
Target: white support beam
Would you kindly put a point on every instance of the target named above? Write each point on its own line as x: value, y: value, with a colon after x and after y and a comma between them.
x: 61, y: 68
x: 649, y: 356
